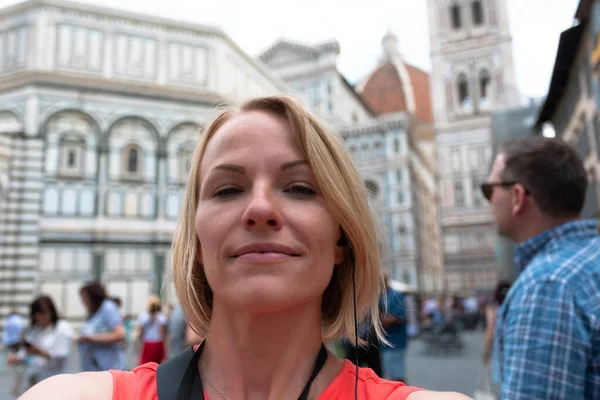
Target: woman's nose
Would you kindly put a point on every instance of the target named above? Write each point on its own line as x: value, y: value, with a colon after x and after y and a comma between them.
x: 262, y: 211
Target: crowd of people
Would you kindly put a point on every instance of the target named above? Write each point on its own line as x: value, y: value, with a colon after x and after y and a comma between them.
x: 40, y: 347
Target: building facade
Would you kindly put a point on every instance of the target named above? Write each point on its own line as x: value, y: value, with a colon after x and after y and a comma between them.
x: 391, y: 151
x: 394, y: 88
x: 99, y: 109
x: 472, y: 77
x: 98, y: 112
x: 573, y: 101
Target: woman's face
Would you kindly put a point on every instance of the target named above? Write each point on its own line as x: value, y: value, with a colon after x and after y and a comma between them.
x: 268, y: 241
x: 43, y: 317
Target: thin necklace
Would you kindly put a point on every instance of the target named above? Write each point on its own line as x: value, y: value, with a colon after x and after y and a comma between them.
x: 221, y: 394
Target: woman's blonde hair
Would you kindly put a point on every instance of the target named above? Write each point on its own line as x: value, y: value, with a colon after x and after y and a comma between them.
x: 343, y: 190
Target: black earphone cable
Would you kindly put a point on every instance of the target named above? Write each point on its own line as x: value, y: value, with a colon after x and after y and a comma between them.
x: 355, y: 335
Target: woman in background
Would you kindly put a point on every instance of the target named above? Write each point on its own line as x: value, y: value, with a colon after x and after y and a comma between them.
x: 101, y: 337
x: 153, y: 331
x: 46, y: 344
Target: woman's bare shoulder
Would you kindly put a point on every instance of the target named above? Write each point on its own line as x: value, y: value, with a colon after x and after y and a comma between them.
x: 429, y: 395
x: 82, y: 386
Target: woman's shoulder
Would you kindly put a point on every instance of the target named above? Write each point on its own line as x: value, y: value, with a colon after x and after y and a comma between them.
x: 139, y: 383
x: 82, y: 386
x: 64, y: 326
x: 372, y: 387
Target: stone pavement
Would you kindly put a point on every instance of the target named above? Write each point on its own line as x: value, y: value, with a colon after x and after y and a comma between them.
x: 457, y: 373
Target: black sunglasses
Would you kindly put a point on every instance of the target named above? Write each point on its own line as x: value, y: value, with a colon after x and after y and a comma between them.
x: 487, y: 189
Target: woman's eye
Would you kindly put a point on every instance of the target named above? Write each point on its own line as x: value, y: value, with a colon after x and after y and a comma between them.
x: 227, y: 192
x: 301, y: 189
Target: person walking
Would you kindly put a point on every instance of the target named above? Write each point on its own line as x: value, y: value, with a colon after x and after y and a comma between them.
x: 395, y: 323
x: 548, y: 329
x: 101, y: 336
x: 45, y: 347
x: 153, y: 331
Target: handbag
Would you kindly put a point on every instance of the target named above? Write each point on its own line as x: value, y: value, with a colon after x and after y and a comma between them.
x: 484, y: 389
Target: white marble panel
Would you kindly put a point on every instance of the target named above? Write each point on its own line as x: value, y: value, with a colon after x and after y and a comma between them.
x: 173, y: 206
x: 52, y: 160
x: 129, y: 260
x: 147, y: 209
x: 140, y: 291
x: 51, y: 201
x: 131, y: 204
x: 112, y: 259
x: 90, y: 162
x: 69, y: 201
x: 119, y: 289
x: 73, y: 304
x: 172, y: 166
x: 114, y: 164
x: 55, y: 291
x: 66, y: 259
x: 47, y: 259
x: 86, y: 202
x: 145, y: 261
x: 114, y: 204
x: 84, y: 260
x: 149, y: 165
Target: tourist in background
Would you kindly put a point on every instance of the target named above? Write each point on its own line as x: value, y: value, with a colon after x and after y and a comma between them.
x: 101, y: 337
x: 180, y: 334
x: 395, y: 322
x: 548, y: 329
x: 45, y: 347
x: 491, y: 313
x: 152, y: 324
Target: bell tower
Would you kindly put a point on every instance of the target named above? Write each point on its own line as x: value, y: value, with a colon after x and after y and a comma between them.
x: 472, y: 76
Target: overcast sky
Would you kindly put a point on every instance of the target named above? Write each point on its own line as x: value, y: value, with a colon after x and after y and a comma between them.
x: 359, y: 26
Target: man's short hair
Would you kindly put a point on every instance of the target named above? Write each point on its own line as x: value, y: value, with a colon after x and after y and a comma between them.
x: 551, y: 170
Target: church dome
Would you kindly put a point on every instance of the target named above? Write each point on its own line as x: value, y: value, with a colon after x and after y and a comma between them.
x: 395, y: 86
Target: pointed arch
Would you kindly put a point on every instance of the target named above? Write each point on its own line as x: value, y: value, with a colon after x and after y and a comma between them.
x: 462, y: 87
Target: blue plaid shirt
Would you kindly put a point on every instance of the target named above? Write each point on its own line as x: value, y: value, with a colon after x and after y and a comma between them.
x: 548, y: 329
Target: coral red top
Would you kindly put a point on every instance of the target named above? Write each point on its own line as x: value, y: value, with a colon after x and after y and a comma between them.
x: 140, y: 384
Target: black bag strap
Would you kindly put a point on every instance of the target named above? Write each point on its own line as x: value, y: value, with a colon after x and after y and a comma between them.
x: 178, y: 379
x: 170, y: 374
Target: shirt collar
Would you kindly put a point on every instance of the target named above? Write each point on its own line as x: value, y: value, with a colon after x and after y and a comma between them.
x: 525, y: 251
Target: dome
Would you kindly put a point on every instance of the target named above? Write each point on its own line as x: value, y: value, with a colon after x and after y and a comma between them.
x: 395, y: 86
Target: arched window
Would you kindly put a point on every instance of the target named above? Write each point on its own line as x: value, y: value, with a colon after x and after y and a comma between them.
x: 71, y: 156
x: 455, y: 16
x: 132, y: 160
x: 477, y: 11
x: 463, y: 90
x: 484, y: 85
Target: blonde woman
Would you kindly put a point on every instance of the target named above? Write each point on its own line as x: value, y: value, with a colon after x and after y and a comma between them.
x: 276, y: 252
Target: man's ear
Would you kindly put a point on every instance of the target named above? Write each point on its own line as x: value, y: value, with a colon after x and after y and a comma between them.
x: 518, y: 198
x: 341, y: 248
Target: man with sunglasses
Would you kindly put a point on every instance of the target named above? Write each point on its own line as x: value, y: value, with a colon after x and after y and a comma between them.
x: 547, y: 342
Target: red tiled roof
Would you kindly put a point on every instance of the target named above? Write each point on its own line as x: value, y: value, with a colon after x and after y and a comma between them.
x: 384, y: 91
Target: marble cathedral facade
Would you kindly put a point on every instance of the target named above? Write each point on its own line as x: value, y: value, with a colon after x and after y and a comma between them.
x: 98, y: 111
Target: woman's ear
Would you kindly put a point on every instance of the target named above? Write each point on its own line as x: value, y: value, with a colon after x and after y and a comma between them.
x: 341, y: 248
x: 199, y: 253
